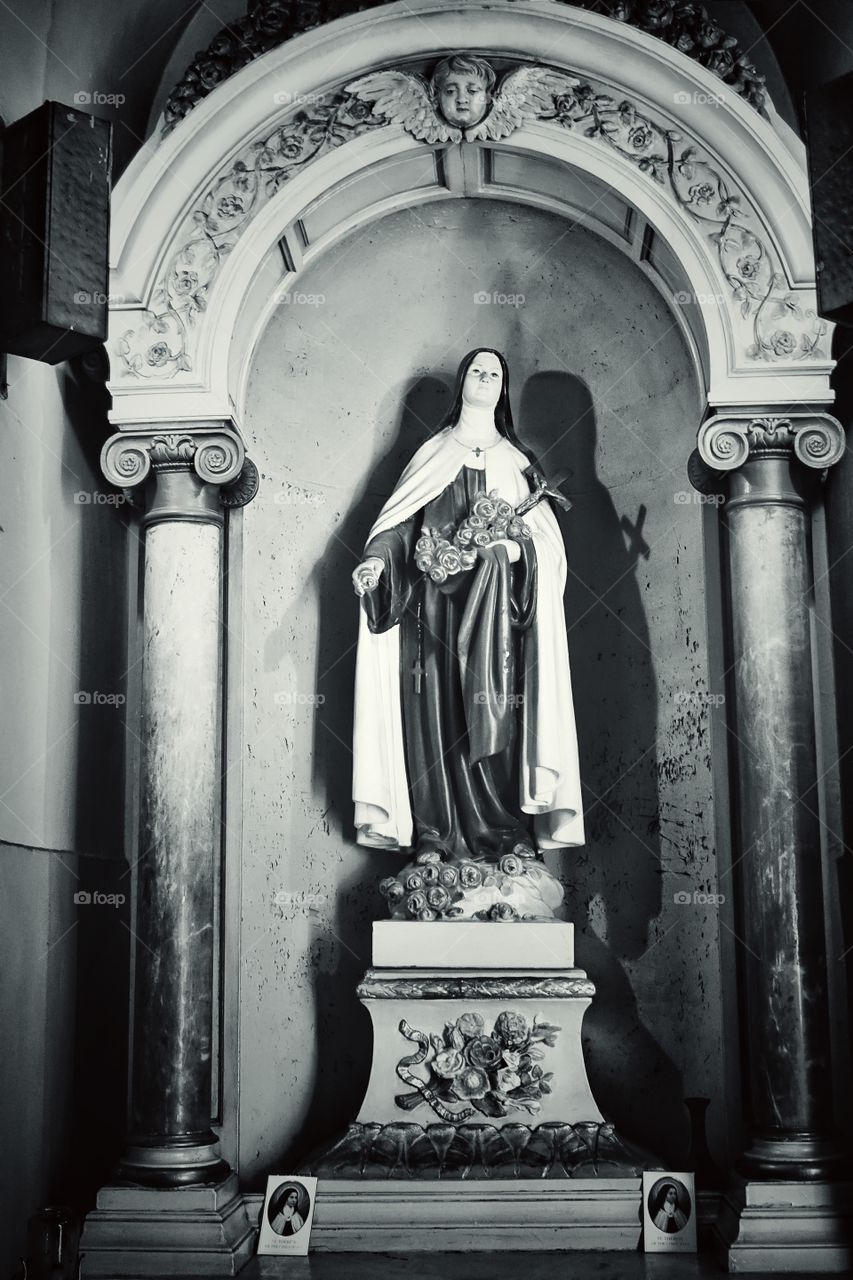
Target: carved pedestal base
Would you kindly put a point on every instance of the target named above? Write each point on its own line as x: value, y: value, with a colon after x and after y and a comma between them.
x: 187, y: 1231
x: 481, y: 1216
x: 479, y: 1129
x: 786, y: 1226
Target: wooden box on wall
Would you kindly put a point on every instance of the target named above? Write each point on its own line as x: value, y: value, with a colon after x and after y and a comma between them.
x: 54, y: 233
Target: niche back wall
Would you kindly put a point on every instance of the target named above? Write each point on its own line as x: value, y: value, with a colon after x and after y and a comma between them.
x: 351, y: 375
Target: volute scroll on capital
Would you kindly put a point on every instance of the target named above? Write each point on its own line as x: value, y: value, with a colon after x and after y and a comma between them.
x: 727, y: 441
x: 216, y: 455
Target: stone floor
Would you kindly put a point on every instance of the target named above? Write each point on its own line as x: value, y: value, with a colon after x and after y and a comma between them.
x: 480, y: 1266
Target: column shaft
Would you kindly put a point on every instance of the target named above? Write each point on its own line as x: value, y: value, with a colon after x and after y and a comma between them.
x: 171, y: 1142
x: 777, y: 846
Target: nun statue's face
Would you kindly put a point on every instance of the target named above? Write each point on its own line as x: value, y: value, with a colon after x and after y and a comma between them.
x: 483, y: 380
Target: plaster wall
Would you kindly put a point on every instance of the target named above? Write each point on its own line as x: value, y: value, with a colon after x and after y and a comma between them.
x: 353, y: 371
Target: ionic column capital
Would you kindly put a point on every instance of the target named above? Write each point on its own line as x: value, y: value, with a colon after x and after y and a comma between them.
x: 728, y: 440
x: 197, y: 469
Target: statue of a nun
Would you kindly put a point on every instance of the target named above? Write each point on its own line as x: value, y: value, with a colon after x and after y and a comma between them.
x: 465, y: 748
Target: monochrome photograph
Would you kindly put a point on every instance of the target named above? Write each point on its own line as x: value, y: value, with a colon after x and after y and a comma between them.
x: 426, y: 617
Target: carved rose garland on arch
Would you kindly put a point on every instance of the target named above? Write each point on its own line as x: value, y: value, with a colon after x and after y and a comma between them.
x: 160, y: 347
x: 781, y: 328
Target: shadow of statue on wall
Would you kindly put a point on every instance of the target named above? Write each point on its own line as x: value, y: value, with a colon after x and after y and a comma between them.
x: 613, y: 883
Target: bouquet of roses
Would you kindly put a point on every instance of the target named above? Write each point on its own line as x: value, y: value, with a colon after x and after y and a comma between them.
x: 491, y: 519
x: 495, y: 1071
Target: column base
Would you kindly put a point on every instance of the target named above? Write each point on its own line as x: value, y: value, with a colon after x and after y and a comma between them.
x: 792, y: 1157
x: 187, y: 1231
x: 785, y: 1226
x: 191, y: 1160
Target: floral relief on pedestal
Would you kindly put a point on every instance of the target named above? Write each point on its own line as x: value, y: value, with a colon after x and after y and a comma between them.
x: 470, y: 1070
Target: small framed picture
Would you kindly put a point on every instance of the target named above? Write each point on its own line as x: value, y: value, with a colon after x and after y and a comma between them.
x: 287, y: 1214
x: 669, y: 1212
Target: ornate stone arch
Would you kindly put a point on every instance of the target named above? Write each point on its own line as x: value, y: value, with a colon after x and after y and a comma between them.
x: 723, y: 191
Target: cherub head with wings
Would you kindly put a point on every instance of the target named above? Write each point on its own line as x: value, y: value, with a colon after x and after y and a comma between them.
x: 462, y: 88
x: 460, y: 102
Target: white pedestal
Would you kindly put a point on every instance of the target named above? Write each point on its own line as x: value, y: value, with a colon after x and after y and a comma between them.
x: 473, y: 944
x: 498, y: 979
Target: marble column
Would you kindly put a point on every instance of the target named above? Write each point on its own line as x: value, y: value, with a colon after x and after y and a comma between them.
x: 186, y: 478
x: 768, y: 468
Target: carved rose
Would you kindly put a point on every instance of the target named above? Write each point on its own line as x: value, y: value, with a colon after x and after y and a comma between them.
x: 438, y: 897
x: 184, y: 281
x: 511, y: 1059
x: 449, y: 877
x: 485, y: 508
x: 392, y: 890
x: 449, y: 1063
x: 511, y: 1029
x: 414, y: 880
x: 471, y: 876
x: 230, y: 207
x: 505, y: 1080
x: 483, y: 1052
x: 429, y: 874
x: 360, y: 110
x: 290, y: 148
x: 511, y: 865
x: 157, y: 354
x: 503, y: 911
x: 709, y: 34
x: 450, y: 559
x: 640, y: 137
x: 471, y: 1083
x: 416, y: 902
x: 783, y: 342
x: 470, y: 1025
x: 657, y: 14
x: 429, y: 855
x: 702, y: 193
x: 426, y: 914
x: 748, y: 267
x: 720, y: 61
